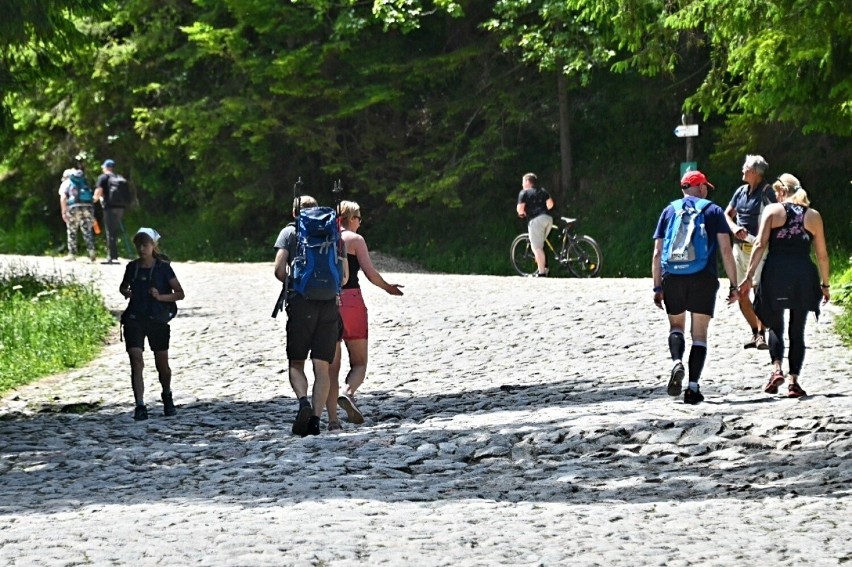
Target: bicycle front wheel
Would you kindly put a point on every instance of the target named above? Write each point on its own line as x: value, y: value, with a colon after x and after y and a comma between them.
x: 584, y: 258
x: 521, y: 254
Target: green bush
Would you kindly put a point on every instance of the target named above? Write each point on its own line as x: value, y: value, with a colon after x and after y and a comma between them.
x: 47, y: 324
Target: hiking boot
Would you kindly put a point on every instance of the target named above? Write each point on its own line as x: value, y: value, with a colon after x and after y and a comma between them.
x: 168, y: 405
x: 752, y: 343
x: 692, y: 397
x: 676, y: 381
x: 775, y: 380
x: 93, y: 257
x: 313, y: 425
x: 352, y: 412
x: 760, y: 343
x: 334, y: 426
x: 140, y: 413
x: 795, y: 391
x: 300, y: 426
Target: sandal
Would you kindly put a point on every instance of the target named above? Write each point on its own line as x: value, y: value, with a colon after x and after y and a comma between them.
x: 775, y: 380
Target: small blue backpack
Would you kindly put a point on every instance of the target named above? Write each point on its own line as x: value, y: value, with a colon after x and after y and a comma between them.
x: 686, y: 247
x: 316, y: 272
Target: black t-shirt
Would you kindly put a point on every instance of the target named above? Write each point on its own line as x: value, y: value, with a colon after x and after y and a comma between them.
x: 535, y: 199
x: 140, y: 280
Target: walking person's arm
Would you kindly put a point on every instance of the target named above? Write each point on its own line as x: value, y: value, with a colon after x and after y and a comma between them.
x: 657, y: 272
x: 724, y: 241
x: 359, y: 246
x: 813, y: 224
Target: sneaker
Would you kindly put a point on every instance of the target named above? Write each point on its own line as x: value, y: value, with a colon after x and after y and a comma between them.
x: 93, y: 257
x: 760, y: 343
x: 775, y: 380
x: 300, y: 426
x: 752, y: 343
x: 334, y: 426
x: 352, y: 412
x: 795, y: 391
x: 313, y: 426
x: 168, y: 405
x: 109, y: 261
x: 70, y: 258
x: 692, y: 397
x: 676, y: 381
x: 140, y: 413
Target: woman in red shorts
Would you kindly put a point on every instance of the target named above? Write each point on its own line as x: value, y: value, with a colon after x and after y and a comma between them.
x: 353, y: 312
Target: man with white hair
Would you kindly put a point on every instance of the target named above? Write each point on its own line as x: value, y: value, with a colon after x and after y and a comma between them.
x: 743, y: 216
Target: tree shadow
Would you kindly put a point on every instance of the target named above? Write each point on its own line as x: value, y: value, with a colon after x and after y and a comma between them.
x: 534, y: 443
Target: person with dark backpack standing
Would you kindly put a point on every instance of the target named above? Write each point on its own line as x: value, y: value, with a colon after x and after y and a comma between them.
x: 312, y: 267
x: 113, y: 193
x: 76, y: 202
x: 689, y: 232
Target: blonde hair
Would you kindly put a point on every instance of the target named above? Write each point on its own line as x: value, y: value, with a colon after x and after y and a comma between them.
x: 348, y: 210
x: 792, y: 189
x: 304, y: 202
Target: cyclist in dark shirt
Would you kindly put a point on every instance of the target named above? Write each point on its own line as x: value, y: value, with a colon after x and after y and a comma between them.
x: 534, y: 204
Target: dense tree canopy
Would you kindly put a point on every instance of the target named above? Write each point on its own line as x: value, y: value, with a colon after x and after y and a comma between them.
x: 215, y: 107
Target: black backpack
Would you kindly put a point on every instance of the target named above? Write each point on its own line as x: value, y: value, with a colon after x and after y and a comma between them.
x: 119, y: 191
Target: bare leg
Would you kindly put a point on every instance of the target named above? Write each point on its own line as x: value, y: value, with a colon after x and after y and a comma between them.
x: 333, y: 385
x: 137, y: 365
x: 357, y: 365
x: 321, y: 380
x: 161, y: 359
x: 298, y: 380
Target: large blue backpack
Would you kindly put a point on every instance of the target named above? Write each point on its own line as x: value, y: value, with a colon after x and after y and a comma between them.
x: 79, y: 192
x: 316, y: 272
x: 686, y: 246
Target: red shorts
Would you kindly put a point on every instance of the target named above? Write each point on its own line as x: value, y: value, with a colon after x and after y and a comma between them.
x: 354, y: 315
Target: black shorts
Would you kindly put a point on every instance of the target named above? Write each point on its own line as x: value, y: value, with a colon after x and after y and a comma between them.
x: 158, y: 334
x: 312, y: 327
x: 695, y: 293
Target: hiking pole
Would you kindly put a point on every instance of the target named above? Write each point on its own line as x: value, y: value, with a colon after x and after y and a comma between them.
x: 126, y: 239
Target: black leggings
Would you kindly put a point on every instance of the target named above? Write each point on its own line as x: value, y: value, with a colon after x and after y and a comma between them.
x: 796, y: 330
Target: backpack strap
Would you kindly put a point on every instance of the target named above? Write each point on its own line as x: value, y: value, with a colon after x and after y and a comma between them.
x: 701, y: 204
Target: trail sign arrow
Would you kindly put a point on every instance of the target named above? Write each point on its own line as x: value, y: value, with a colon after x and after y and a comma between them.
x: 686, y: 131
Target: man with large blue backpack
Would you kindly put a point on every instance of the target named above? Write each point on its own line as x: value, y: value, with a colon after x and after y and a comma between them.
x: 311, y: 265
x: 689, y: 232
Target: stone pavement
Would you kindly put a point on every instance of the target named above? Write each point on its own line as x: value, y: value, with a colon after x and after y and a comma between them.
x: 509, y: 422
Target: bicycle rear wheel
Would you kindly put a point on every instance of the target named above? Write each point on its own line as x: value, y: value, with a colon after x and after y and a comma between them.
x: 584, y: 258
x: 521, y: 254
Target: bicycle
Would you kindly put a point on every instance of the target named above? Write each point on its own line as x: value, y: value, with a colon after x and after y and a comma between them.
x: 579, y: 254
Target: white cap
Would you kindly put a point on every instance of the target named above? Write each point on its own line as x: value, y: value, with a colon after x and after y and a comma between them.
x: 155, y: 236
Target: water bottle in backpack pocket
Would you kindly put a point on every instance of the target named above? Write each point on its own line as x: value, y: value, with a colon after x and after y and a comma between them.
x: 316, y: 272
x: 686, y: 246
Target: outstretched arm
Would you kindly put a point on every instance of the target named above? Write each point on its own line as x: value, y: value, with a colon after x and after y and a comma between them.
x: 359, y: 246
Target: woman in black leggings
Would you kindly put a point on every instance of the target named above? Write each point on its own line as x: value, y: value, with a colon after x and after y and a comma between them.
x: 790, y: 280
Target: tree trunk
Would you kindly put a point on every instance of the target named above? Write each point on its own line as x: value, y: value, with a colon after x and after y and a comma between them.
x: 566, y: 179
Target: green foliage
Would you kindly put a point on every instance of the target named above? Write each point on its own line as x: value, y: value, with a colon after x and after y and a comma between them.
x: 47, y: 324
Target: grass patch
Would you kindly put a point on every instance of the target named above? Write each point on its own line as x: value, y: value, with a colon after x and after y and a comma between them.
x: 47, y: 324
x: 841, y: 294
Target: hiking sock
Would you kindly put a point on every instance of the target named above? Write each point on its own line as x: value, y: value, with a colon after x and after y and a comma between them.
x: 303, y: 401
x: 140, y: 403
x: 697, y: 356
x: 761, y: 333
x: 693, y: 386
x: 677, y: 345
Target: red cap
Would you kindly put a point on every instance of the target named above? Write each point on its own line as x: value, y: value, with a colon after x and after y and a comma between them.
x: 695, y: 178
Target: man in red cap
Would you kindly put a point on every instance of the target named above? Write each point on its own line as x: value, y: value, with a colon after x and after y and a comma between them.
x: 686, y: 278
